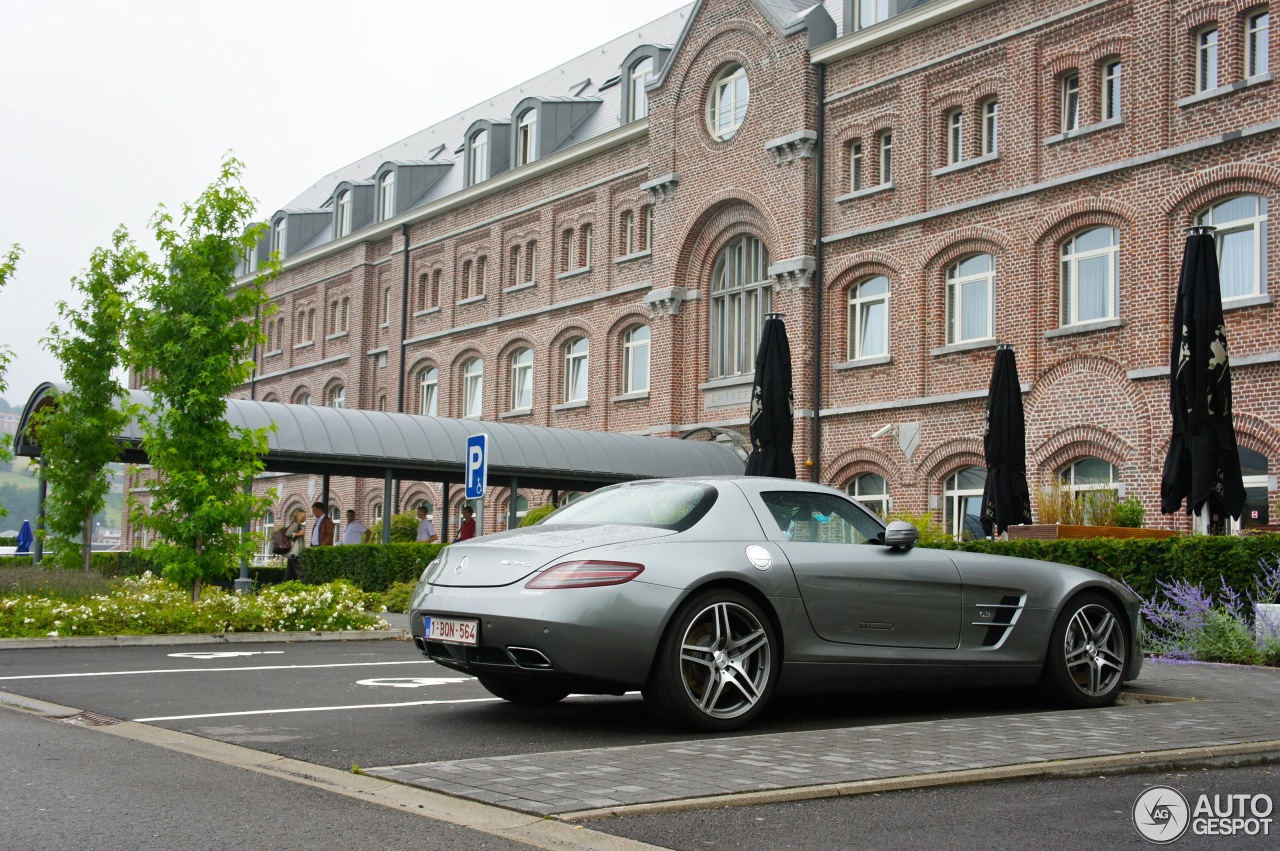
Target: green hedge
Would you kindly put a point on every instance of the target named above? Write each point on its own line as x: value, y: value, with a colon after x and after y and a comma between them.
x: 135, y: 563
x: 372, y: 567
x: 1200, y: 559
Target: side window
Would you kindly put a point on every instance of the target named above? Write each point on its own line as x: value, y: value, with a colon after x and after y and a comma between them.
x: 821, y: 518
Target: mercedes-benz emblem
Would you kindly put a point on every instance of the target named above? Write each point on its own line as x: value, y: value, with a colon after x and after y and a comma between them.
x: 462, y: 565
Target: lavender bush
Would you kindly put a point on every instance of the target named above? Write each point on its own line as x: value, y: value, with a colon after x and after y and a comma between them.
x: 1185, y: 621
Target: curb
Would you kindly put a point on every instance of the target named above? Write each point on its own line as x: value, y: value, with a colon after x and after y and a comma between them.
x: 1213, y: 756
x: 200, y: 638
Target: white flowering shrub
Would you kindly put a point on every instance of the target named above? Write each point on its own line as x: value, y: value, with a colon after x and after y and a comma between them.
x: 150, y: 605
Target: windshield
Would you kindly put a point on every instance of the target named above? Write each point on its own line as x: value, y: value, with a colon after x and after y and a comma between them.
x: 667, y: 505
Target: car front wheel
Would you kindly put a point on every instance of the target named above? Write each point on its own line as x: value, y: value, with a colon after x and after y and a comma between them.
x: 523, y: 692
x: 1088, y: 650
x: 716, y: 665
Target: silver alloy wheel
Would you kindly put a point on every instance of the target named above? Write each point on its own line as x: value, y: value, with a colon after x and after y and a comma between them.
x: 1094, y: 650
x: 725, y: 660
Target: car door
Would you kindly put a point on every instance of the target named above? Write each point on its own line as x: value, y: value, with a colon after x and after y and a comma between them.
x: 855, y: 590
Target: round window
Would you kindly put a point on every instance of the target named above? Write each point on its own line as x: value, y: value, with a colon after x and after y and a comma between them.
x: 727, y: 106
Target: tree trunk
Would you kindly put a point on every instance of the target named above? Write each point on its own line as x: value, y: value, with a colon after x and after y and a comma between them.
x: 86, y: 541
x: 195, y: 590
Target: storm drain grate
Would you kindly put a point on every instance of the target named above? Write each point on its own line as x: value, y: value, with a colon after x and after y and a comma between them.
x: 88, y: 719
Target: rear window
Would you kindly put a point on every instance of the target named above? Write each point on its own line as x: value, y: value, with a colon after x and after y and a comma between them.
x: 665, y: 505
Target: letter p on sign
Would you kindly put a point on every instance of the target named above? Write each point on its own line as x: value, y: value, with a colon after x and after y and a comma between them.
x: 477, y: 465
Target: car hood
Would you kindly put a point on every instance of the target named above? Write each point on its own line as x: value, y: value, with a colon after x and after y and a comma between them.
x: 508, y: 557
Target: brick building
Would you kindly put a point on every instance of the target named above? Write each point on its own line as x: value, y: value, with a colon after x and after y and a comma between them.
x: 910, y: 182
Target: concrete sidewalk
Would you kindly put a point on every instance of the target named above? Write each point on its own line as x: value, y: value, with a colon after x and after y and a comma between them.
x: 1206, y: 713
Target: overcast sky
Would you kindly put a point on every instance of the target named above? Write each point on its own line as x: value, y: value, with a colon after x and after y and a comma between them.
x: 109, y: 109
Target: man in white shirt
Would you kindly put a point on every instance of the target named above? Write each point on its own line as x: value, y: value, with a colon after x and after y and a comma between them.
x: 355, y: 532
x: 426, y: 529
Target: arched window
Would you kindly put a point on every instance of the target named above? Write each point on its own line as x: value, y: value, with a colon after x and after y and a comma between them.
x: 472, y: 387
x: 424, y: 284
x: 741, y: 295
x: 335, y: 514
x: 387, y: 196
x: 1088, y: 483
x: 727, y: 106
x: 479, y: 165
x: 522, y: 507
x: 575, y: 370
x: 342, y: 317
x: 646, y: 227
x: 304, y: 398
x: 337, y: 397
x: 1257, y: 49
x: 627, y: 233
x: 971, y: 303
x: 344, y: 213
x: 277, y: 238
x: 869, y: 318
x: 522, y: 379
x: 1091, y: 276
x: 531, y: 261
x: 640, y: 74
x: 1241, y: 224
x: 527, y: 137
x: 268, y: 529
x: 872, y: 490
x: 635, y: 360
x: 962, y: 503
x: 428, y: 383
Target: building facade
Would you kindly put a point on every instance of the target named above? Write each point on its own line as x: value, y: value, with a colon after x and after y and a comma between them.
x: 911, y: 184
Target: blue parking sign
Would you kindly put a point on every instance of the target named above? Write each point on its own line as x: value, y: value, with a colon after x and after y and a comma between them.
x: 477, y: 465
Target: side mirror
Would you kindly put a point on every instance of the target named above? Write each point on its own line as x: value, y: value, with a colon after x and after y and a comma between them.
x: 901, y: 535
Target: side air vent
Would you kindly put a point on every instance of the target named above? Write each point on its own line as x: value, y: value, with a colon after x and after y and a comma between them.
x: 999, y: 618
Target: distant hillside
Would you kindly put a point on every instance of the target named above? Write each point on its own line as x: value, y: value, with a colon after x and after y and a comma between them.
x: 6, y: 408
x: 18, y: 495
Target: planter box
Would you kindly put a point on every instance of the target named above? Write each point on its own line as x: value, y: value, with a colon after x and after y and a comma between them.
x: 1056, y: 531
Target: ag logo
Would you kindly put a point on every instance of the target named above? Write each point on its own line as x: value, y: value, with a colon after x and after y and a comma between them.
x: 1161, y: 814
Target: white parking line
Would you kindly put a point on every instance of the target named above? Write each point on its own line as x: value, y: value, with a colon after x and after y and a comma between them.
x: 214, y: 670
x: 318, y: 709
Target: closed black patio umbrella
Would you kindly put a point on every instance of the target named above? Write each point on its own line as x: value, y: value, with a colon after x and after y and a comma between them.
x: 772, y: 427
x: 1005, y: 499
x: 1203, y: 464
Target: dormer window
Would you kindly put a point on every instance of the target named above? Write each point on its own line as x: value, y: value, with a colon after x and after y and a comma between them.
x: 479, y: 164
x: 640, y: 74
x: 277, y: 238
x: 527, y: 137
x: 387, y: 196
x: 343, y: 220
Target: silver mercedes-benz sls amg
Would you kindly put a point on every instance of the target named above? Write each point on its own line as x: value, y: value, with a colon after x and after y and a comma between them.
x: 710, y: 595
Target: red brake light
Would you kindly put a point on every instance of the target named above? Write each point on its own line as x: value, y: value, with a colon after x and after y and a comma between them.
x: 586, y: 574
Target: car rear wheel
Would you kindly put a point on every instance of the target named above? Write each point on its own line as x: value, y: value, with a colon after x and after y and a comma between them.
x: 716, y: 665
x: 523, y: 691
x: 1088, y: 651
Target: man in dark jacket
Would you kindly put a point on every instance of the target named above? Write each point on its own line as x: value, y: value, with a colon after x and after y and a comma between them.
x: 322, y: 532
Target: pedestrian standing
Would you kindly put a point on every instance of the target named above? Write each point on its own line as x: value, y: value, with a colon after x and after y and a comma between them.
x: 297, y: 532
x: 355, y: 532
x: 467, y: 529
x: 426, y: 529
x: 322, y: 534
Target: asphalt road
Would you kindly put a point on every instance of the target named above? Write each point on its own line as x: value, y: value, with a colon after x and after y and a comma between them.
x: 379, y: 703
x: 1075, y: 814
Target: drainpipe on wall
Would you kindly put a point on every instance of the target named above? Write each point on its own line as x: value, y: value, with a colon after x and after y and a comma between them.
x: 404, y: 335
x: 253, y: 376
x: 820, y: 196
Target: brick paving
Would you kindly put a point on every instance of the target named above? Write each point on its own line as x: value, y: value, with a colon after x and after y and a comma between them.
x: 1233, y: 705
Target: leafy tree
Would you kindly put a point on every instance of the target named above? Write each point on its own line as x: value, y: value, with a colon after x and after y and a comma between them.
x: 193, y: 343
x: 78, y: 434
x: 8, y: 263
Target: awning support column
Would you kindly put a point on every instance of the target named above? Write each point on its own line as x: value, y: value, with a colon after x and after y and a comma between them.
x: 512, y: 520
x: 444, y: 513
x: 42, y: 492
x: 386, y: 507
x: 324, y: 492
x: 243, y: 585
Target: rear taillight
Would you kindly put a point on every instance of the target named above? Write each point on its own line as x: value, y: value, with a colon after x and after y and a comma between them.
x: 586, y: 574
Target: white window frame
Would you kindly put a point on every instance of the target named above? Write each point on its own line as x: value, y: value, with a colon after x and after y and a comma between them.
x: 337, y: 398
x: 1257, y: 56
x: 1208, y: 64
x: 1112, y: 86
x: 955, y: 499
x: 646, y: 213
x: 727, y: 106
x: 478, y: 151
x: 628, y: 236
x: 741, y: 296
x: 428, y: 391
x: 991, y: 126
x: 878, y: 501
x: 387, y: 196
x: 635, y: 352
x: 886, y: 157
x: 1070, y: 275
x: 1069, y: 95
x: 855, y: 166
x: 860, y: 307
x: 522, y: 379
x: 278, y: 237
x: 576, y: 353
x: 956, y: 284
x: 344, y: 212
x: 1067, y: 478
x: 473, y: 388
x: 1257, y: 224
x: 640, y: 74
x: 527, y: 137
x: 871, y: 12
x: 303, y: 399
x: 531, y: 262
x: 955, y: 136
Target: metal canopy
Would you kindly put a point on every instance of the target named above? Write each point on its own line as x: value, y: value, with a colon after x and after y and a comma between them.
x: 366, y: 444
